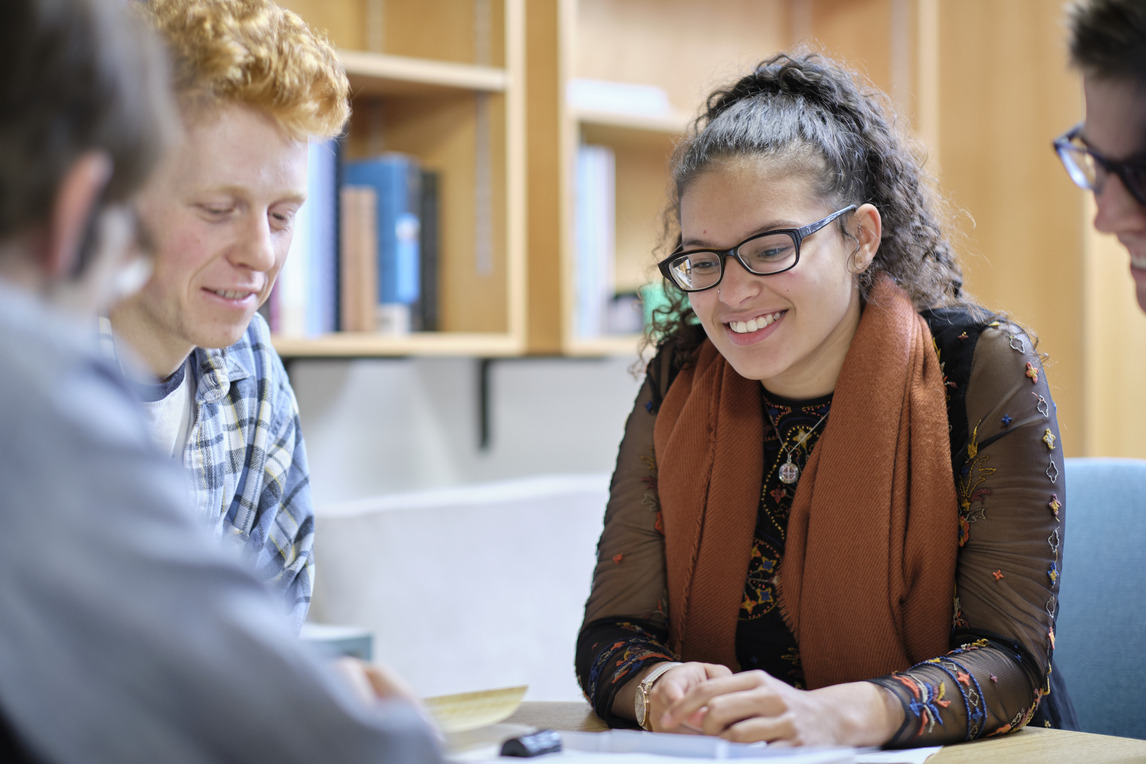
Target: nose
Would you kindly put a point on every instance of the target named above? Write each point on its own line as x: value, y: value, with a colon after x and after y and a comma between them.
x: 256, y: 248
x: 738, y: 284
x: 1118, y: 211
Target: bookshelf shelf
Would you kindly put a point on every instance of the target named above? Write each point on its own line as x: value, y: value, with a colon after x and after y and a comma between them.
x: 377, y: 74
x: 362, y: 344
x: 636, y: 126
x: 613, y: 345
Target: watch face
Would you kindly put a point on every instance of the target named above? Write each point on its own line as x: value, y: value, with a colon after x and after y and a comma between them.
x: 642, y: 705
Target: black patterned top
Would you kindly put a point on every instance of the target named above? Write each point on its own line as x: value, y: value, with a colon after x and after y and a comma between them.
x: 1007, y: 465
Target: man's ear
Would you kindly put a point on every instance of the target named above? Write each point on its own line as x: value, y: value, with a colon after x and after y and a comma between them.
x: 867, y: 228
x: 72, y: 208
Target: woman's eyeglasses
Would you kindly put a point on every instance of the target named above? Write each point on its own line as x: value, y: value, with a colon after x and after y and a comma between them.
x: 763, y: 254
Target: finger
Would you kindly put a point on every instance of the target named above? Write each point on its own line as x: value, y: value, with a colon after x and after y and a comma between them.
x: 717, y: 670
x: 350, y: 671
x: 776, y: 731
x: 387, y: 684
x: 762, y: 708
x: 702, y: 693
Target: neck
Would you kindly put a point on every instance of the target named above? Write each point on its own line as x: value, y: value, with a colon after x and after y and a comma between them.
x: 160, y: 354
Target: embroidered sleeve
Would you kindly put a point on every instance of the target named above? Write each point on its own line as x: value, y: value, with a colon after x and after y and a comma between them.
x: 625, y: 626
x: 1011, y: 492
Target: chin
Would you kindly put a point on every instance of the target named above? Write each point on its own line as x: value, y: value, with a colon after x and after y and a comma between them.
x: 221, y: 338
x: 749, y: 369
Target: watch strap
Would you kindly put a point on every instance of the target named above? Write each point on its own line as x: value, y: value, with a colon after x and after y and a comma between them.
x: 645, y: 687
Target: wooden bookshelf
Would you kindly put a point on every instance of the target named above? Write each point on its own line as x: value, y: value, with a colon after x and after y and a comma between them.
x: 442, y: 80
x: 681, y: 45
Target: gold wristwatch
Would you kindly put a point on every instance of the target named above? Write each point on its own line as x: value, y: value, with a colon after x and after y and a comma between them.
x: 641, y: 704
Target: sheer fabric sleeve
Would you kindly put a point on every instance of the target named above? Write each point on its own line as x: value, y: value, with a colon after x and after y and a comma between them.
x: 1011, y: 492
x: 625, y: 625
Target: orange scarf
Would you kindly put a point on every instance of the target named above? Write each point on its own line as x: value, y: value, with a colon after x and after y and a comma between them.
x: 868, y: 575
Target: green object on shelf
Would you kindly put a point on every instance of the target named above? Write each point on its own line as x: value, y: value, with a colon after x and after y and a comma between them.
x: 652, y: 297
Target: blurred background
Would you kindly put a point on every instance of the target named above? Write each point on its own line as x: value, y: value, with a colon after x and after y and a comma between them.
x: 517, y: 381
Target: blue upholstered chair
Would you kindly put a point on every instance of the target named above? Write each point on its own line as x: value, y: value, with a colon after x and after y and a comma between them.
x: 1100, y: 639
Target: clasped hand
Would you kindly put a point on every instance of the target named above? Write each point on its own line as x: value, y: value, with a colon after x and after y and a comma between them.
x: 708, y: 699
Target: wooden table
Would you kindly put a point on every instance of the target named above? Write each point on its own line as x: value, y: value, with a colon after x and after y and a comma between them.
x: 1034, y: 745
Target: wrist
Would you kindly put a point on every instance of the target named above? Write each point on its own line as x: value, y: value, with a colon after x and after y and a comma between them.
x: 643, y: 690
x: 868, y: 714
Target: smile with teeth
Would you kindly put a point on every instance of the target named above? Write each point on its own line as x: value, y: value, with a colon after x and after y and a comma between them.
x: 755, y: 324
x: 229, y: 294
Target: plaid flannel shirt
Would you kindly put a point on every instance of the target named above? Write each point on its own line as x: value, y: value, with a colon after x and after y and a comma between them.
x: 247, y: 461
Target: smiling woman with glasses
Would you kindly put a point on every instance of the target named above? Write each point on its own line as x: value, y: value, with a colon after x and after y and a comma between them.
x: 828, y: 522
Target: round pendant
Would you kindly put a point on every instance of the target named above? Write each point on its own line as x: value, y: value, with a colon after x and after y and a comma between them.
x: 789, y: 473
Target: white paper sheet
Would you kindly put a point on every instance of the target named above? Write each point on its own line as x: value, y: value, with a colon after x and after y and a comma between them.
x: 484, y: 745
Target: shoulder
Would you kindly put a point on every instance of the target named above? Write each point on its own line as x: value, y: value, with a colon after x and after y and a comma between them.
x: 63, y: 396
x: 967, y: 339
x: 674, y: 354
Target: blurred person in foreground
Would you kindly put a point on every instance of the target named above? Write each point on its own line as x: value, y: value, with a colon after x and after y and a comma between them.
x: 126, y: 634
x: 1106, y: 153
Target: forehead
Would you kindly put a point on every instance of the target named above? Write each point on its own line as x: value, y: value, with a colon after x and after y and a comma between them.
x: 1115, y: 123
x: 746, y: 194
x: 235, y: 145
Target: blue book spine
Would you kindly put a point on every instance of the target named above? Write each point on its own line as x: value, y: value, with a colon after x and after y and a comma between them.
x: 397, y: 180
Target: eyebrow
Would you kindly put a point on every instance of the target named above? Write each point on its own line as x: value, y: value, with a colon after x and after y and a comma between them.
x: 775, y: 226
x: 244, y: 193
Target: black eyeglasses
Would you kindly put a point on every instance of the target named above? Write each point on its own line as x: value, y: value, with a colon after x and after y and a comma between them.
x: 1089, y: 169
x: 763, y: 254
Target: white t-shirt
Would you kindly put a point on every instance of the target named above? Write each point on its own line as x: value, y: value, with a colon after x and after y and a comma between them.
x: 168, y: 406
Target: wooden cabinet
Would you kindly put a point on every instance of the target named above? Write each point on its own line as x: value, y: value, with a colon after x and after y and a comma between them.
x: 442, y: 80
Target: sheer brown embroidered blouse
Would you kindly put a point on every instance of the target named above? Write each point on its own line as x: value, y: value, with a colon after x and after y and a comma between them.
x: 1008, y: 469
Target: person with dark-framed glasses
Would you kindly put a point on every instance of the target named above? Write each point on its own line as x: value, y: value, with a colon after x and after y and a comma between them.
x: 835, y: 512
x: 1106, y: 153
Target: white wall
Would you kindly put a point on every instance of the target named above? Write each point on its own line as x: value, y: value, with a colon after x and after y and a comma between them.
x: 387, y: 427
x: 382, y: 426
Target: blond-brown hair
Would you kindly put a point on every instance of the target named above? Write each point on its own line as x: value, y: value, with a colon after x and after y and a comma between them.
x: 255, y: 53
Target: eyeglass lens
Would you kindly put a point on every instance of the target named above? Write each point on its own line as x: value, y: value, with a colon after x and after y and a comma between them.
x: 1089, y: 172
x: 762, y: 255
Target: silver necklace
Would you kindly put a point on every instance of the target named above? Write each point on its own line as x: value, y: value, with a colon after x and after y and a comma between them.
x: 789, y: 471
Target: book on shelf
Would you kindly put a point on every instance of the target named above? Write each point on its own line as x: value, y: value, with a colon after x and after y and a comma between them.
x: 594, y: 227
x: 428, y: 316
x: 358, y: 258
x: 397, y: 182
x: 305, y: 298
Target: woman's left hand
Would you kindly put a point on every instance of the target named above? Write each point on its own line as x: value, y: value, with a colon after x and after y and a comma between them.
x: 753, y: 706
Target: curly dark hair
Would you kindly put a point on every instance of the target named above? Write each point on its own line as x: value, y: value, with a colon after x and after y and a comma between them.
x: 812, y: 113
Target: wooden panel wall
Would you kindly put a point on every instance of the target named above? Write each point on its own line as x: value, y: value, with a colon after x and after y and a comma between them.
x: 1004, y: 94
